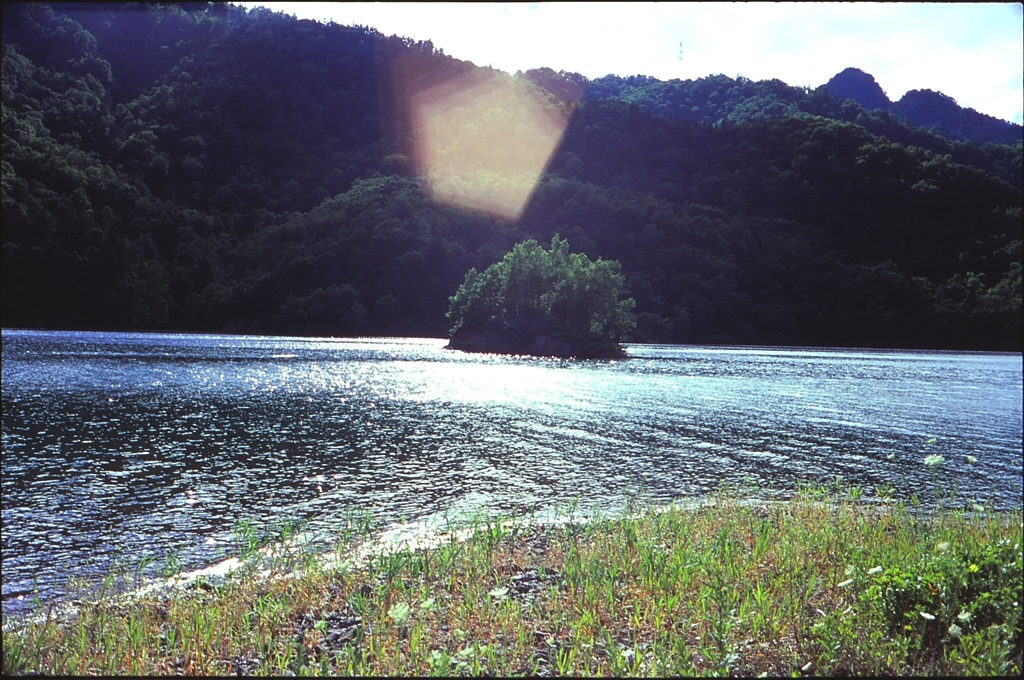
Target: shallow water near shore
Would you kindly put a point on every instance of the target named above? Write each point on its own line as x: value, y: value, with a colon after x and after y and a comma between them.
x: 124, y: 447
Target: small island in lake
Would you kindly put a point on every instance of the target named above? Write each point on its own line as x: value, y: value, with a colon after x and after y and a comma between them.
x: 543, y: 303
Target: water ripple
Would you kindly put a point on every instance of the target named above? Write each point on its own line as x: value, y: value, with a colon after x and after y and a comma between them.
x: 123, y: 446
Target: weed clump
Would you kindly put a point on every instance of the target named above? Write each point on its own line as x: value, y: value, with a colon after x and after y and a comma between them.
x: 956, y: 602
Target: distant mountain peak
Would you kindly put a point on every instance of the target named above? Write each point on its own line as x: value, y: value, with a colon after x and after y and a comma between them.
x: 852, y: 83
x: 924, y: 108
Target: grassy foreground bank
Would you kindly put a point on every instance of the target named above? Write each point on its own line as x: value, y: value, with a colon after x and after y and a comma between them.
x: 822, y: 584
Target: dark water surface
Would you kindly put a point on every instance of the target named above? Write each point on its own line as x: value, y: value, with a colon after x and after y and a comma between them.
x: 122, y: 446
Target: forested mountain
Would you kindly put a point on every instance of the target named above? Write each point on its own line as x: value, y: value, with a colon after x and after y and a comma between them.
x: 203, y: 167
x: 719, y: 100
x: 925, y: 109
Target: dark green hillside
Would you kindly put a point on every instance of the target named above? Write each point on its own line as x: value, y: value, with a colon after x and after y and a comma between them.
x: 200, y: 167
x: 819, y: 231
x: 720, y: 100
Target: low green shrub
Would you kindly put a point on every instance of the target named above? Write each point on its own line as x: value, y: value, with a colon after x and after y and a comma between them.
x: 953, y: 597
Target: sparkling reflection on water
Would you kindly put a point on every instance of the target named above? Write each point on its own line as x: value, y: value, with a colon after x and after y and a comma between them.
x: 120, y: 446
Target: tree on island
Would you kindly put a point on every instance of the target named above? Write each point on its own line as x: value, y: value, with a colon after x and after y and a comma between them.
x: 544, y: 303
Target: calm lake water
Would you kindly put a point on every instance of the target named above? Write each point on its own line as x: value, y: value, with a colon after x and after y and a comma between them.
x: 122, y: 446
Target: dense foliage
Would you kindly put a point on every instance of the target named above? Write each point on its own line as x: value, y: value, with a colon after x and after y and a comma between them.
x: 202, y: 167
x: 544, y: 302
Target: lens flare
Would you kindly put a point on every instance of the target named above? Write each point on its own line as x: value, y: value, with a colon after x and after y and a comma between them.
x: 482, y: 139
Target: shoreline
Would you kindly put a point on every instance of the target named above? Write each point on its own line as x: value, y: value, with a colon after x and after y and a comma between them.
x: 416, y: 536
x: 400, y: 537
x: 737, y: 584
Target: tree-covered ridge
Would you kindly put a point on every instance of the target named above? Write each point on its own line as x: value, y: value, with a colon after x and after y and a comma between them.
x: 925, y: 109
x: 203, y: 167
x: 720, y: 100
x: 542, y: 302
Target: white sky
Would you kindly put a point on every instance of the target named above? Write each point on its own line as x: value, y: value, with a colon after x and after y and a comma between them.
x: 971, y: 52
